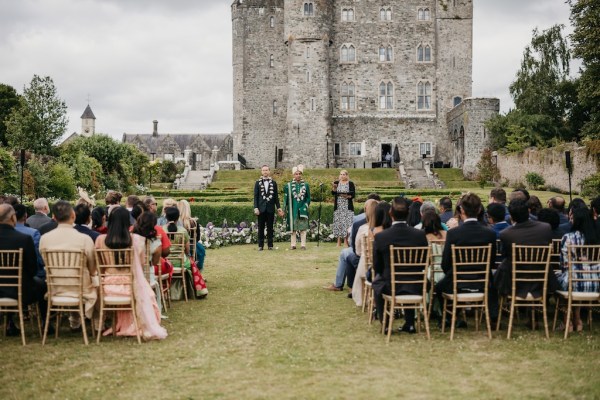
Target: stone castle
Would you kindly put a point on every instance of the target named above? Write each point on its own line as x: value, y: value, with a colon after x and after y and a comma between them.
x: 341, y: 83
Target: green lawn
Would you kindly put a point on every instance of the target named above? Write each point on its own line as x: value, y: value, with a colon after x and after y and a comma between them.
x: 269, y: 331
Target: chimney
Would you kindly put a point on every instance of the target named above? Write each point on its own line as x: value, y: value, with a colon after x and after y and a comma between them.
x: 155, y: 131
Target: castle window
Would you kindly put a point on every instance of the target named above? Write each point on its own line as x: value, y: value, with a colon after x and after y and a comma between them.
x: 424, y: 96
x: 348, y: 53
x: 309, y: 10
x: 271, y: 61
x: 312, y: 104
x: 272, y: 22
x: 386, y: 54
x: 274, y: 107
x: 348, y: 98
x: 423, y: 14
x: 385, y: 14
x: 307, y: 76
x: 307, y: 51
x: 336, y: 149
x: 424, y: 53
x: 386, y: 96
x: 457, y: 100
x: 198, y: 157
x: 169, y: 157
x: 354, y: 148
x: 347, y: 14
x: 425, y: 149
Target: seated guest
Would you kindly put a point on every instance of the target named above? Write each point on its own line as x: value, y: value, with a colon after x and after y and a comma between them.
x: 362, y: 237
x: 150, y: 204
x: 113, y: 198
x: 32, y: 289
x: 162, y: 219
x: 583, y: 232
x: 383, y: 220
x: 432, y: 225
x: 99, y: 220
x: 146, y: 227
x: 551, y: 217
x: 414, y: 212
x: 470, y: 233
x: 83, y: 217
x: 399, y: 234
x: 21, y: 213
x: 66, y: 237
x: 558, y: 203
x: 456, y: 220
x: 148, y: 313
x: 190, y: 224
x: 445, y: 209
x: 523, y: 232
x: 425, y: 207
x: 496, y: 218
x: 535, y: 205
x: 40, y: 217
x: 498, y: 196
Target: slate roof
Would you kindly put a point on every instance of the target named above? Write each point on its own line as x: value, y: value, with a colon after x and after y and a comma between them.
x: 153, y: 143
x: 87, y: 113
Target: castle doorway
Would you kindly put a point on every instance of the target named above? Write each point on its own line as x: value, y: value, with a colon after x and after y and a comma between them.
x: 386, y: 155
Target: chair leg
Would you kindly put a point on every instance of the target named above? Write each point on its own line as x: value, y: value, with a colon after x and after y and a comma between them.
x: 444, y: 315
x: 391, y: 319
x: 58, y: 315
x: 135, y: 322
x: 555, y: 314
x: 453, y: 322
x: 184, y: 283
x: 510, y: 319
x: 46, y: 325
x: 426, y: 319
x: 22, y: 325
x: 100, y: 324
x: 83, y: 328
x: 499, y: 313
x: 371, y: 307
x: 488, y: 322
x: 568, y: 319
x: 544, y: 311
x: 385, y: 303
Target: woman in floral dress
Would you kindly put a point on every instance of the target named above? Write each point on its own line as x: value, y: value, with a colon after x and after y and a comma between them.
x: 296, y: 198
x: 343, y: 208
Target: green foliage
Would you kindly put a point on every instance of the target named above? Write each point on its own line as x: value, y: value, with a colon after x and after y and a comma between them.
x: 39, y: 120
x: 590, y: 186
x: 168, y: 171
x: 61, y: 184
x: 9, y: 179
x: 86, y: 171
x: 585, y: 15
x: 518, y: 130
x: 534, y: 180
x: 487, y: 171
x: 9, y: 99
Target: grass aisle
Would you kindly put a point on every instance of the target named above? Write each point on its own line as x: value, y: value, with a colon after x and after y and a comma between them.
x: 268, y: 330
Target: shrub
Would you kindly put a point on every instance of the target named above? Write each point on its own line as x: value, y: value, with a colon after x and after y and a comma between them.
x: 590, y: 186
x: 534, y: 180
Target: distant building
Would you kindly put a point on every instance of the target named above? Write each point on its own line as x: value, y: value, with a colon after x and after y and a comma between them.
x: 339, y: 83
x: 200, y: 151
x: 88, y: 122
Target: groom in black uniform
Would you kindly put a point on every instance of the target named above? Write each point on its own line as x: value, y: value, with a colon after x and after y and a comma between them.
x: 266, y: 200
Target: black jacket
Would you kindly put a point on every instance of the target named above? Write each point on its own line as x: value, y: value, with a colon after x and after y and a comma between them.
x: 263, y: 204
x: 351, y: 192
x: 10, y: 239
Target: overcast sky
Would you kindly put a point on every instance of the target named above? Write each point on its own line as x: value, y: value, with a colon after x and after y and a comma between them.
x: 140, y: 60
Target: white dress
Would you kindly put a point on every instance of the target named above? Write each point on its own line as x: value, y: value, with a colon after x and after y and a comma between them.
x: 361, y: 270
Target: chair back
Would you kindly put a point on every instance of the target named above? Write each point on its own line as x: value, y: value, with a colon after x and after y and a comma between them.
x: 471, y: 267
x: 435, y: 261
x: 530, y: 265
x: 408, y: 266
x: 193, y: 232
x: 555, y: 256
x: 64, y: 272
x: 116, y: 264
x: 147, y: 266
x: 498, y: 255
x: 11, y: 271
x: 583, y: 262
x: 177, y: 253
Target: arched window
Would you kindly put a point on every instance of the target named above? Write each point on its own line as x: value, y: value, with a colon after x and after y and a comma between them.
x: 271, y: 61
x: 386, y: 96
x: 347, y: 53
x: 348, y: 98
x: 424, y: 53
x: 274, y: 107
x: 308, y: 9
x: 457, y: 100
x: 385, y: 14
x: 347, y: 14
x: 386, y: 53
x: 423, y: 14
x: 424, y: 96
x: 307, y: 76
x: 272, y: 22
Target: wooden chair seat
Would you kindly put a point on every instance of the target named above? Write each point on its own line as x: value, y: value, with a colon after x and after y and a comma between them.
x: 64, y: 301
x: 464, y: 297
x: 8, y: 302
x: 117, y: 300
x: 407, y: 298
x: 579, y: 296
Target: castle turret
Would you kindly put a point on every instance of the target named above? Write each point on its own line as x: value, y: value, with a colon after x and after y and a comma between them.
x: 308, y: 118
x: 88, y: 122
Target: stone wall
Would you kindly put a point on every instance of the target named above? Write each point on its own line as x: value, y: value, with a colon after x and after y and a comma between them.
x: 550, y: 164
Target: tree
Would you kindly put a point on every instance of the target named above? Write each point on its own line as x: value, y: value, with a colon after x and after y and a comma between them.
x: 9, y: 99
x: 9, y: 179
x: 61, y: 183
x: 39, y: 120
x: 585, y: 17
x: 487, y: 171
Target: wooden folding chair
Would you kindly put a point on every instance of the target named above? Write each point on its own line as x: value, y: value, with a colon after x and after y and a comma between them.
x: 470, y: 265
x: 368, y: 263
x: 530, y: 265
x: 408, y: 266
x: 370, y: 295
x: 156, y: 282
x: 177, y: 257
x: 435, y: 269
x: 583, y: 262
x: 555, y: 256
x: 64, y: 276
x: 193, y: 232
x: 116, y: 274
x: 11, y: 276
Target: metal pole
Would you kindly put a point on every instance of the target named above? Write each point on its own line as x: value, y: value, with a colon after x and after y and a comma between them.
x: 22, y: 170
x: 319, y: 220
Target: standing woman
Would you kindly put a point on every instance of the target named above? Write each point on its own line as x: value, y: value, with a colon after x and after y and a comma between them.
x: 296, y: 197
x: 343, y: 209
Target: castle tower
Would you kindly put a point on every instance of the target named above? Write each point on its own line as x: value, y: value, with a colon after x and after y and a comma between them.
x: 88, y: 122
x: 307, y: 35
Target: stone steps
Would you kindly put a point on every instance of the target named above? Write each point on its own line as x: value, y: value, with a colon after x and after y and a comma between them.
x: 195, y: 180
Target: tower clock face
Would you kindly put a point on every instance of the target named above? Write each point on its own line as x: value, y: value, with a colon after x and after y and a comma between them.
x: 87, y: 130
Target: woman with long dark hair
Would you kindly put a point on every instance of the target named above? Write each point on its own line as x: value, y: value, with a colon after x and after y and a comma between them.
x: 382, y: 217
x: 148, y: 313
x: 583, y: 232
x: 99, y: 220
x: 432, y: 225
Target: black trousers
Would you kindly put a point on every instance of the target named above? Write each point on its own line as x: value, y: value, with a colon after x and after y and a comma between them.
x: 268, y: 219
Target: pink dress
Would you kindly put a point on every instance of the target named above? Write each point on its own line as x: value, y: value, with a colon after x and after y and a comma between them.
x: 147, y: 310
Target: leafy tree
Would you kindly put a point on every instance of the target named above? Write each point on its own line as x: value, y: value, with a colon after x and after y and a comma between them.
x: 36, y: 177
x: 9, y: 179
x: 487, y: 171
x: 518, y: 130
x: 9, y: 99
x: 585, y: 17
x: 61, y: 183
x: 86, y: 171
x: 39, y: 120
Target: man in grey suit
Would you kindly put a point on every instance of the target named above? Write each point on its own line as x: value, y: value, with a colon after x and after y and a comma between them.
x: 41, y: 214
